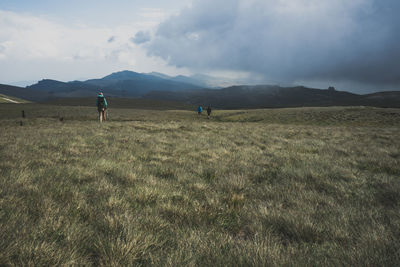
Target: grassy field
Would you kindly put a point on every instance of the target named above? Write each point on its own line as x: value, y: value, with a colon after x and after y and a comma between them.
x: 124, y: 103
x: 303, y: 186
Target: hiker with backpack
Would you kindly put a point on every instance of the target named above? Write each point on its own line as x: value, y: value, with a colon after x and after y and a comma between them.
x: 199, y: 110
x: 101, y: 104
x: 208, y: 112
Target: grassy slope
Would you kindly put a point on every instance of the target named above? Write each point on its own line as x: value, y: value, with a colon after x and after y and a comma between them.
x: 19, y: 100
x: 135, y: 103
x: 312, y: 186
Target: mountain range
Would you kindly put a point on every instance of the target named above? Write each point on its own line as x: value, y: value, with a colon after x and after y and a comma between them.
x: 119, y: 84
x: 195, y: 90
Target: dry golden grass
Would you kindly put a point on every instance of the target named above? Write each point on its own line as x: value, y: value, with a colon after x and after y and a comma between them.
x: 312, y: 186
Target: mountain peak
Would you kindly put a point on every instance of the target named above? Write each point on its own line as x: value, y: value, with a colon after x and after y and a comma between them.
x: 46, y: 82
x: 122, y: 75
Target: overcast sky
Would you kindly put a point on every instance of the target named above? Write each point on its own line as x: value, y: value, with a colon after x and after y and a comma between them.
x: 353, y: 45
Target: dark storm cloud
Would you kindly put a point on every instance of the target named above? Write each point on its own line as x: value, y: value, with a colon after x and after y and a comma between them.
x: 338, y: 40
x: 141, y: 37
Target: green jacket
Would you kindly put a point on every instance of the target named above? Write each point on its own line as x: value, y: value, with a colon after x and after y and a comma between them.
x: 101, y: 102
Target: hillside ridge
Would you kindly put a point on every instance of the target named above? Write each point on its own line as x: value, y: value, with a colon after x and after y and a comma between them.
x: 158, y: 86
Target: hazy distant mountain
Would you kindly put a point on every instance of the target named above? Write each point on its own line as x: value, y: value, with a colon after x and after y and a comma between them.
x: 22, y: 83
x: 55, y: 88
x: 181, y: 78
x: 267, y: 96
x: 201, y: 80
x: 119, y: 84
x: 135, y: 84
x: 126, y: 84
x: 216, y: 82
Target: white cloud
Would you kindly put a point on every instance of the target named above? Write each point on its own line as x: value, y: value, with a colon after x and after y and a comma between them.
x: 40, y: 48
x: 28, y: 37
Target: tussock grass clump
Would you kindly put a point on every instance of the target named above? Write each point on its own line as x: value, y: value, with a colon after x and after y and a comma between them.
x: 312, y: 186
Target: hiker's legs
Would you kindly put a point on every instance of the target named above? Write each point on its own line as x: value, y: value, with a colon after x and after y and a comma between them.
x: 104, y: 115
x: 101, y: 115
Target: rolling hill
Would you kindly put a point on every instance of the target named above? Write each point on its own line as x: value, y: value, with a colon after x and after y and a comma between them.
x: 382, y: 99
x: 269, y: 96
x: 24, y: 93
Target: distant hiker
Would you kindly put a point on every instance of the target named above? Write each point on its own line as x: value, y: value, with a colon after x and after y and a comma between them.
x: 208, y: 112
x: 199, y: 110
x: 101, y: 104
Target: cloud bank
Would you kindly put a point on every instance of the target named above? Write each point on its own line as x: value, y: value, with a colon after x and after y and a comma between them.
x: 287, y: 40
x: 34, y: 47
